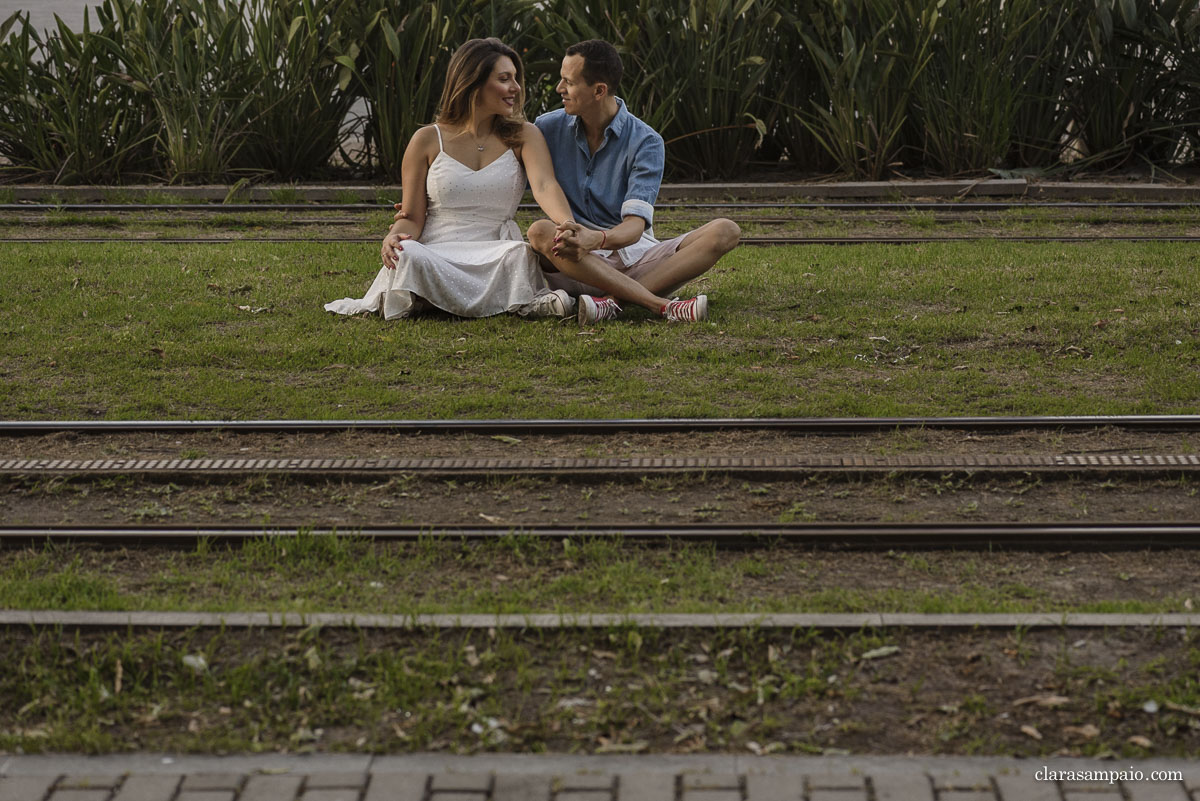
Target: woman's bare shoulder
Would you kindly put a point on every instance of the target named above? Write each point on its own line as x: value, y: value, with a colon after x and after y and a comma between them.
x: 530, y: 132
x: 425, y: 140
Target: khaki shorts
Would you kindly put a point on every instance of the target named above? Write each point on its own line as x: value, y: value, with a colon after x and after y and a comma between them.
x: 649, y: 260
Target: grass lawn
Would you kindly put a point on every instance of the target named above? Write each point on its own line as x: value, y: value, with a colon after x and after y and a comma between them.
x: 237, y: 331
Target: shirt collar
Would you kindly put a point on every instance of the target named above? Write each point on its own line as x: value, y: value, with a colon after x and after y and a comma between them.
x: 617, y: 125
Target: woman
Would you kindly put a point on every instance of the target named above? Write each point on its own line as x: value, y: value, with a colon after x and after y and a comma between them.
x: 462, y: 178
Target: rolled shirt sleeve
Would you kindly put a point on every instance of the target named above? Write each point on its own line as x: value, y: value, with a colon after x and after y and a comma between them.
x: 645, y: 178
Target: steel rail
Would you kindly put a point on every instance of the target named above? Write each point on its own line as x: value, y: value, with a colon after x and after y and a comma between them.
x: 833, y: 206
x: 809, y: 425
x: 850, y: 536
x: 86, y: 619
x: 1106, y: 463
x: 747, y: 240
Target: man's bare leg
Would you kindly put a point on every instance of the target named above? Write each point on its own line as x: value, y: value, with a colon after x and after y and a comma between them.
x: 593, y: 270
x: 697, y: 253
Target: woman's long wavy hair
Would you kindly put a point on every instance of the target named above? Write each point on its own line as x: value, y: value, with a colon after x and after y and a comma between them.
x: 470, y: 67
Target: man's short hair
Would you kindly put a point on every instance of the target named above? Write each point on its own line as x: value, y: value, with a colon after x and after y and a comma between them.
x: 601, y: 64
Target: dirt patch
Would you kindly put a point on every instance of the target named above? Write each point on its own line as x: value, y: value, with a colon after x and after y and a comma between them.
x: 517, y: 502
x: 1037, y: 693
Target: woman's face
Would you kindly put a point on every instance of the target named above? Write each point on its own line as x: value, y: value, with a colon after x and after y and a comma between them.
x: 499, y: 93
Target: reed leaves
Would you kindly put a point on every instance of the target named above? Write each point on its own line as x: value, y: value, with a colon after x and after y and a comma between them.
x: 222, y: 90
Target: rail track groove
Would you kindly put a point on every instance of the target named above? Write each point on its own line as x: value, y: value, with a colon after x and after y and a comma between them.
x: 835, y: 536
x: 614, y: 467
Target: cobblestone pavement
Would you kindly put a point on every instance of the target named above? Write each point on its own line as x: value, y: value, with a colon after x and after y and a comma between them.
x: 499, y: 777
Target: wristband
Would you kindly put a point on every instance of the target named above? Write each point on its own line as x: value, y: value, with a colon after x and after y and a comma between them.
x: 603, y: 239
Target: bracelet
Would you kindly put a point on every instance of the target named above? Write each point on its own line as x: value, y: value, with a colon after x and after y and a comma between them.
x: 603, y: 239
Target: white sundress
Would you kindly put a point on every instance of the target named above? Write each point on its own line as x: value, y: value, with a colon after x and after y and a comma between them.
x: 471, y: 259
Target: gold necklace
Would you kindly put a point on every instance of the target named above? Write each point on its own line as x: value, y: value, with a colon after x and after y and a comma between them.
x: 478, y: 146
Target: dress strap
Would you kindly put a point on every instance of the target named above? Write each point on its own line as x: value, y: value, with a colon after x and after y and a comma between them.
x: 439, y: 133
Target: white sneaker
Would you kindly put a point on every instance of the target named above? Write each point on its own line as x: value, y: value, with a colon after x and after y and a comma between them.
x: 554, y: 304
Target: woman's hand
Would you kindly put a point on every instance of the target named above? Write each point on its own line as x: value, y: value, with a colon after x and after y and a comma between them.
x: 572, y: 241
x: 392, y: 243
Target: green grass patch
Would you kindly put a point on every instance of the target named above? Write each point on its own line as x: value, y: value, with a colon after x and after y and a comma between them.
x: 518, y: 574
x: 140, y: 330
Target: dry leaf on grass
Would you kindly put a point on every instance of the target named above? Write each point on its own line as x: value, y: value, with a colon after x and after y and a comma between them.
x: 1140, y: 741
x: 1032, y: 732
x: 1085, y: 732
x: 1044, y: 701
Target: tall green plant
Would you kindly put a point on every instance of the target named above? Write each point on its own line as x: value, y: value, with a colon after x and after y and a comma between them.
x: 302, y: 100
x: 987, y: 55
x: 869, y: 55
x: 192, y: 60
x: 63, y: 117
x: 1124, y: 97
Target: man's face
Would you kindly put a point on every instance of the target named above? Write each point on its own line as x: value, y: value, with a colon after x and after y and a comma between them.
x: 577, y: 94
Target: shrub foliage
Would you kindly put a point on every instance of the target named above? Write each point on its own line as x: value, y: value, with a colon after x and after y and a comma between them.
x: 220, y: 90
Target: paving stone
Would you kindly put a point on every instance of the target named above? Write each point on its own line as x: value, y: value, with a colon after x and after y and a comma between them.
x: 585, y: 781
x: 646, y: 787
x: 212, y: 781
x: 773, y: 787
x: 962, y: 780
x: 825, y: 794
x: 468, y: 782
x: 80, y: 795
x: 25, y: 788
x: 902, y: 787
x: 584, y: 795
x: 143, y: 787
x: 396, y: 787
x: 723, y: 794
x: 966, y: 795
x: 835, y: 781
x: 334, y: 794
x: 84, y: 782
x: 709, y: 781
x: 1091, y: 791
x: 1155, y: 791
x: 321, y: 781
x: 454, y: 795
x: 271, y: 788
x: 526, y: 787
x: 1026, y: 788
x: 207, y: 795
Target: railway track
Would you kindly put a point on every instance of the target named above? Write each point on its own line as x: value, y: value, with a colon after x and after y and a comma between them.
x: 804, y: 425
x: 1107, y: 536
x: 613, y: 468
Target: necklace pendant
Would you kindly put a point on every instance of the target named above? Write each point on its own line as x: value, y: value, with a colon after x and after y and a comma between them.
x: 480, y: 147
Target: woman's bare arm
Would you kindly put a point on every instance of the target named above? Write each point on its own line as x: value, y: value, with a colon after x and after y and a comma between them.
x: 414, y: 170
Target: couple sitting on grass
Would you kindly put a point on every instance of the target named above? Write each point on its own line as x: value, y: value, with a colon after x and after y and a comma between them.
x: 594, y: 169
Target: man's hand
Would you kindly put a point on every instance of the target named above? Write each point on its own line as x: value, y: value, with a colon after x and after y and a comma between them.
x: 392, y: 243
x: 400, y: 214
x: 572, y: 241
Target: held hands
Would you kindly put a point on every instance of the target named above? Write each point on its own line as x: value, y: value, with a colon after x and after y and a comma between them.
x: 572, y: 240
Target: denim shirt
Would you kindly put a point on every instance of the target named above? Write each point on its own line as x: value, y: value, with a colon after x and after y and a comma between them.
x: 620, y: 179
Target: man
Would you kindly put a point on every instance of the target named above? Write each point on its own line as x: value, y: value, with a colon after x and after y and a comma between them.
x: 610, y: 164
